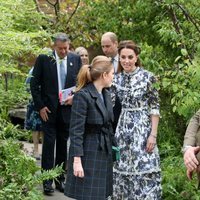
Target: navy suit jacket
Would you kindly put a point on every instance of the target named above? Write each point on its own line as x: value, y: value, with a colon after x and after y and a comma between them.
x: 44, y: 83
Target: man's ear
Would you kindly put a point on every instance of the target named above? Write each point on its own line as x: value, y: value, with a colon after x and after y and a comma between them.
x: 116, y: 44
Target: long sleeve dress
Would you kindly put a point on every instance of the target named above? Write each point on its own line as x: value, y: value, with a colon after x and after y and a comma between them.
x: 137, y: 175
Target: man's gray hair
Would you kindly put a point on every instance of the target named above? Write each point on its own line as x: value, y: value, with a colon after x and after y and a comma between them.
x: 61, y: 37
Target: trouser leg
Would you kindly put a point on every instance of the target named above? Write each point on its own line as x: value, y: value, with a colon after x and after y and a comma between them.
x: 61, y: 145
x: 49, y: 131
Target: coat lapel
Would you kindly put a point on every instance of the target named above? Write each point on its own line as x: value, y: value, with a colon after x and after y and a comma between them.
x: 70, y: 69
x: 94, y: 93
x: 108, y: 104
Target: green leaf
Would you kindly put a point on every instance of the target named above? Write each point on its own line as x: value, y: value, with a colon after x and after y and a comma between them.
x: 184, y: 52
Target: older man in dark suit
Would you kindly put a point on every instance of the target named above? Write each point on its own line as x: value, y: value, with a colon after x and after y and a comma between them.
x: 51, y: 74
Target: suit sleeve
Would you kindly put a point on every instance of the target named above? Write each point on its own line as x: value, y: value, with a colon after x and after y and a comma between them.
x: 35, y: 84
x: 77, y: 123
x: 191, y: 131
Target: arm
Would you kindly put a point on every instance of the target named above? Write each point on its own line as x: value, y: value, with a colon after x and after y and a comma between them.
x: 191, y: 131
x: 155, y: 114
x: 35, y: 84
x: 77, y: 129
x: 189, y: 148
x: 190, y: 160
x: 151, y: 141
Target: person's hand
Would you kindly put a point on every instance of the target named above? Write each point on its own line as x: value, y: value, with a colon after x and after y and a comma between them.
x: 151, y: 142
x: 189, y: 157
x: 69, y: 100
x: 189, y: 174
x: 44, y: 113
x: 78, y: 169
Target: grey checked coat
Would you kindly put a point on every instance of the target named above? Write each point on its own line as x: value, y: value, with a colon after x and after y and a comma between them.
x: 91, y: 138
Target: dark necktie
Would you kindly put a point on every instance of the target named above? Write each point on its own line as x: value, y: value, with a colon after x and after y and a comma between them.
x: 113, y: 62
x: 62, y: 74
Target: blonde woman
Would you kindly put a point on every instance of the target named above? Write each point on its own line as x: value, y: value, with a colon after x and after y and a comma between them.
x: 90, y: 167
x: 83, y: 53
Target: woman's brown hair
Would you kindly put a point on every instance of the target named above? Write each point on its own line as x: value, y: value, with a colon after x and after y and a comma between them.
x: 128, y: 44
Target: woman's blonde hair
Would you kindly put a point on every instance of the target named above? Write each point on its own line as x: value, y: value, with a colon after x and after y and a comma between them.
x: 79, y: 49
x: 90, y: 73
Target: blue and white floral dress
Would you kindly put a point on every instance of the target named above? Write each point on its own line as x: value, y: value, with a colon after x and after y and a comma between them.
x: 137, y: 175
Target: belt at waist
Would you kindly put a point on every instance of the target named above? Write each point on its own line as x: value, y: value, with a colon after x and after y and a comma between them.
x: 134, y: 109
x: 104, y: 132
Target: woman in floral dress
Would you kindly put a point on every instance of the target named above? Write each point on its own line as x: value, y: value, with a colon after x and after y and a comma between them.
x: 33, y: 121
x: 137, y: 175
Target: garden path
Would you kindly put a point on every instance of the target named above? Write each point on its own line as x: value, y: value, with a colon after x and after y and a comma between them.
x: 56, y: 195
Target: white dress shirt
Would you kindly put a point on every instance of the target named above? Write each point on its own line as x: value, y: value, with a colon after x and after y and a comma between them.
x: 115, y: 63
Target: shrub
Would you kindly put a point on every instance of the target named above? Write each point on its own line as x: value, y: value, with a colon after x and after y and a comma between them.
x: 19, y: 174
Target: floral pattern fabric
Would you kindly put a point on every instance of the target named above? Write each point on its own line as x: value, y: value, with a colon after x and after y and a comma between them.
x: 33, y: 121
x: 137, y: 174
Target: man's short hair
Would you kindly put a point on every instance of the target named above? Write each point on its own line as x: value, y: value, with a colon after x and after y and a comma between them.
x: 111, y: 35
x: 63, y: 37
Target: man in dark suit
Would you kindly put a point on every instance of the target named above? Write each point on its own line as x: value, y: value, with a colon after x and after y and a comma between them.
x: 109, y: 45
x: 51, y: 74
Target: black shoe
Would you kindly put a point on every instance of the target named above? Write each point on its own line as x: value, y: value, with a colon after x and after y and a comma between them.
x: 60, y: 186
x: 47, y: 187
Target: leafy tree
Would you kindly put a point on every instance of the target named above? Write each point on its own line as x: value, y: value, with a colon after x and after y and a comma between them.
x: 22, y: 35
x: 167, y: 31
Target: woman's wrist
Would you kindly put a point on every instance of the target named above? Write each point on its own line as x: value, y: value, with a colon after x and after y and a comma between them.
x: 77, y: 159
x: 153, y: 135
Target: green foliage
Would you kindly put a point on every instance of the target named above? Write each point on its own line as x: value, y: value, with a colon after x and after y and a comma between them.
x: 183, y: 84
x: 8, y: 130
x: 19, y: 174
x: 16, y: 95
x: 175, y: 184
x: 21, y: 36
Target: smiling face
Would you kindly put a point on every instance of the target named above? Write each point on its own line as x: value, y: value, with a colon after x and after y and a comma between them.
x: 84, y: 57
x: 128, y: 58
